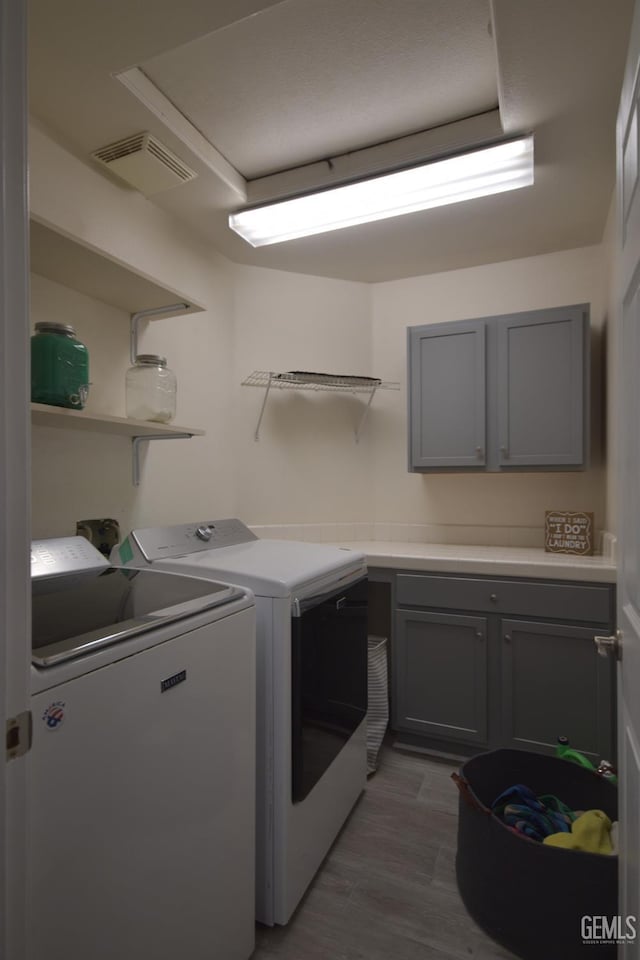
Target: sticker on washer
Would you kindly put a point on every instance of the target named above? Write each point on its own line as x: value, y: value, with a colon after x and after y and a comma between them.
x: 54, y: 715
x: 126, y: 553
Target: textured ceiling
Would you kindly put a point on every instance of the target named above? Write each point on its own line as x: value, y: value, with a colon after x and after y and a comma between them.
x: 307, y: 80
x: 274, y: 85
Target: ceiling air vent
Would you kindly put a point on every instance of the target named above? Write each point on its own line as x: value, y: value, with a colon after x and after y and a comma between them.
x: 145, y: 163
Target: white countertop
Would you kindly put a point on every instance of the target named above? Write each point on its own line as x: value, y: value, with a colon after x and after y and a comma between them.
x: 491, y: 561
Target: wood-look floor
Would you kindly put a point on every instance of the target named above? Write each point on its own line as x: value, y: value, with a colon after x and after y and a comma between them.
x: 387, y: 890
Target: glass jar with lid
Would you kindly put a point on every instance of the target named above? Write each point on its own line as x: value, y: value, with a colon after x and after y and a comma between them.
x: 150, y: 388
x: 59, y: 366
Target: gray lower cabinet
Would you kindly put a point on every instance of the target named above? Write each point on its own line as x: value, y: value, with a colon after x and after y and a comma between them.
x: 554, y: 683
x: 500, y: 393
x: 479, y: 663
x: 441, y: 668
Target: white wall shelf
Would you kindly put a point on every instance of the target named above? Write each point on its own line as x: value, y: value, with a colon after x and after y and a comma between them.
x: 71, y: 262
x: 43, y: 415
x: 66, y: 260
x: 327, y: 382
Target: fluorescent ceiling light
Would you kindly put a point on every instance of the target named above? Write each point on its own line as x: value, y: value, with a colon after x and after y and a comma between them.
x: 505, y: 166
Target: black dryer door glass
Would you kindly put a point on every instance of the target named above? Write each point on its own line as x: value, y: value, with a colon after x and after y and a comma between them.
x: 329, y: 681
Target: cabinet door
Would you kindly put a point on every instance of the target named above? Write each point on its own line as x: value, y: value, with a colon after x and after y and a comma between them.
x: 440, y: 665
x: 447, y: 395
x: 555, y: 684
x: 542, y: 388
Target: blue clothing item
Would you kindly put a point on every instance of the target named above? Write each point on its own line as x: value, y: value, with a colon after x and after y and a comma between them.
x: 534, y: 817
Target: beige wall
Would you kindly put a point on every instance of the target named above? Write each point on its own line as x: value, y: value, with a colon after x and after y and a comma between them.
x: 306, y: 467
x: 76, y: 474
x: 519, y: 500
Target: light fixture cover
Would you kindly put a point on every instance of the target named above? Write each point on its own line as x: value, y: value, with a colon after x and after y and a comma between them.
x: 478, y: 173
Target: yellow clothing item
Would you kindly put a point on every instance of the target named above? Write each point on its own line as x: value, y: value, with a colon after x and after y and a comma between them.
x: 590, y: 832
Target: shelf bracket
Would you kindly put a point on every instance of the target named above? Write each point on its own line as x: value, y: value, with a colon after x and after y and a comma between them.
x: 145, y: 315
x: 256, y: 435
x: 136, y: 441
x: 365, y: 412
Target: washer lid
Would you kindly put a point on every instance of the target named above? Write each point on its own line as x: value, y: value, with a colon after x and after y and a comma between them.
x: 75, y: 614
x: 271, y: 568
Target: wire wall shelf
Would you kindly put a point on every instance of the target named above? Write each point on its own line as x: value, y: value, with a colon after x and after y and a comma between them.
x: 327, y: 382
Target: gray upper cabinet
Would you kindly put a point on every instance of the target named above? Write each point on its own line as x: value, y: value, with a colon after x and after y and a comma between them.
x: 447, y: 376
x: 541, y: 388
x: 500, y: 393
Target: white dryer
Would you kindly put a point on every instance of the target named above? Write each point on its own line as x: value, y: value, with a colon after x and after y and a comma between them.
x: 142, y: 779
x: 311, y: 608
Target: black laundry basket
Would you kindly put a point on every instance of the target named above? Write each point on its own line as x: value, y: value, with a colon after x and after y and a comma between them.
x: 528, y: 896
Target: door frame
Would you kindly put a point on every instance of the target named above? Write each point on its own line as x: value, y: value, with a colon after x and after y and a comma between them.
x: 15, y: 442
x: 626, y: 313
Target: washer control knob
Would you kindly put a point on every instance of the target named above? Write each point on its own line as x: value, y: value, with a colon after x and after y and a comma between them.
x: 204, y: 533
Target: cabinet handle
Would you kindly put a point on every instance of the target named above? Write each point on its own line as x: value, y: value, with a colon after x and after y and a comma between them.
x: 507, y: 638
x: 479, y: 634
x: 493, y: 597
x: 504, y: 451
x: 610, y: 646
x: 479, y: 451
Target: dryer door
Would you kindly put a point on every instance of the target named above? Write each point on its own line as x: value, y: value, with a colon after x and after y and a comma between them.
x: 328, y: 682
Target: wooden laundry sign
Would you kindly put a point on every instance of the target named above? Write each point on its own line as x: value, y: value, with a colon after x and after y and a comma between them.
x: 568, y: 532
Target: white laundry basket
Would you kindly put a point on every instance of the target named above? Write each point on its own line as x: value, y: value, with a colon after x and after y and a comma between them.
x: 378, y: 709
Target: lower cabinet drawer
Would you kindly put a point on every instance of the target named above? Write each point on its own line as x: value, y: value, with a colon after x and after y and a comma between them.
x: 537, y: 598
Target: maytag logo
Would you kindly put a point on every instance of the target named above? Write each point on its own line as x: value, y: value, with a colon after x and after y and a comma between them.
x: 173, y: 681
x: 608, y: 929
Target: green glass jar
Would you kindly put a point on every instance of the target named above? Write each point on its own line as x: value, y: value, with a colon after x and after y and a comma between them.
x: 59, y: 367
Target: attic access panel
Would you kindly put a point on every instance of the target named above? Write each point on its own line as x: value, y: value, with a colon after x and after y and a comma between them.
x: 367, y: 71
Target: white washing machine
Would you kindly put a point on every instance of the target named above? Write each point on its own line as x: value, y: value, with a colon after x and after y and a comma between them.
x: 311, y: 607
x: 142, y: 778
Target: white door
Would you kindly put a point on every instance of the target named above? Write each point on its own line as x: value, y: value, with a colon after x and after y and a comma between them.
x: 627, y: 296
x: 15, y: 602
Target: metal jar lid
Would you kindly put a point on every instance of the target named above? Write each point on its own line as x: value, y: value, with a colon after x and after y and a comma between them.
x: 47, y: 326
x: 151, y: 358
